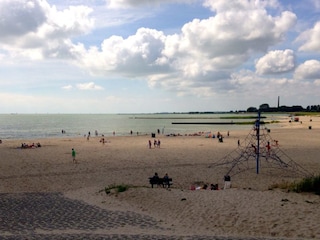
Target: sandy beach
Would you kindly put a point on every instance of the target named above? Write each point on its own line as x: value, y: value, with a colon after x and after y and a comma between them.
x: 250, y: 209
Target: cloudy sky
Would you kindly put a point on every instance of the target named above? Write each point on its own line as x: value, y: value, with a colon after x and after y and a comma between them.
x: 141, y: 56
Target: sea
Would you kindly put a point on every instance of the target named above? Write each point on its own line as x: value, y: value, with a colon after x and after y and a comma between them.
x: 38, y: 126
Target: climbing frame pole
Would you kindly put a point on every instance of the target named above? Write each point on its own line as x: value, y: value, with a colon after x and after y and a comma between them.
x: 258, y: 142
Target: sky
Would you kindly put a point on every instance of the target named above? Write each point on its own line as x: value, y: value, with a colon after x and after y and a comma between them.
x: 152, y: 56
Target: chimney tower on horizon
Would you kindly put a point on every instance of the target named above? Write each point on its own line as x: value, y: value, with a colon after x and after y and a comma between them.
x: 278, y: 101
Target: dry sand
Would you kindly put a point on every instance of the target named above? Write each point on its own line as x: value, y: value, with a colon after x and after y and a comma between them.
x: 248, y: 209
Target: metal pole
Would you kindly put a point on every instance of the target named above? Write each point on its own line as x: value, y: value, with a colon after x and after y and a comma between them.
x: 258, y: 141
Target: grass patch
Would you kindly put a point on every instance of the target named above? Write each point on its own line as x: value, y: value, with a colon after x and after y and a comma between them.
x: 274, y: 121
x: 252, y: 123
x: 306, y: 113
x: 115, y: 189
x: 244, y: 123
x: 309, y: 184
x: 241, y: 117
x: 282, y: 185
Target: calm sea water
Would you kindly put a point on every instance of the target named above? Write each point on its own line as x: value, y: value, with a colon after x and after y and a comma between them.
x: 30, y: 126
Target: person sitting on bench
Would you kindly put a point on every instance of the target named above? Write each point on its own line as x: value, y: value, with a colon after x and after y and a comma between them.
x: 156, y: 176
x: 155, y: 180
x: 166, y: 180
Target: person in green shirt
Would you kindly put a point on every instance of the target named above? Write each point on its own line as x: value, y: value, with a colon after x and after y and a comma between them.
x: 73, y: 156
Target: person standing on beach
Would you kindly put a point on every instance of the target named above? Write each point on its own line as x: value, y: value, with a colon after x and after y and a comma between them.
x: 73, y: 153
x: 88, y: 135
x: 227, y: 182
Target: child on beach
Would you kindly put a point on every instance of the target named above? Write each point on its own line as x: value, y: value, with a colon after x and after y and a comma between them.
x: 73, y: 153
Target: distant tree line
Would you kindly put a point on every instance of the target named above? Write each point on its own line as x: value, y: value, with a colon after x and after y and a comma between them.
x: 266, y: 108
x: 313, y: 108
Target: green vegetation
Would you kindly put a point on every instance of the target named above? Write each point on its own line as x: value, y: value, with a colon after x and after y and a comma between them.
x: 115, y: 188
x: 306, y: 114
x: 283, y: 185
x: 309, y: 184
x: 245, y: 123
x: 241, y: 117
x: 273, y: 121
x: 252, y: 123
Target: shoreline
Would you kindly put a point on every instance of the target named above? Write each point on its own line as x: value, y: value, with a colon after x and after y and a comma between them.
x: 47, y: 126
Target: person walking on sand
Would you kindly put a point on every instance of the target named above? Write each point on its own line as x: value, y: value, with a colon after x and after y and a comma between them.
x: 73, y: 153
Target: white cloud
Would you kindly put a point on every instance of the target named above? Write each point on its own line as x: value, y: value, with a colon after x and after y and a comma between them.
x: 247, y: 84
x: 206, y: 57
x: 135, y: 56
x: 309, y: 70
x: 223, y: 42
x: 122, y: 4
x: 316, y: 4
x: 317, y: 82
x: 70, y: 22
x: 278, y: 61
x: 89, y: 86
x: 20, y: 17
x: 241, y: 5
x: 202, y: 54
x: 67, y: 87
x: 311, y: 39
x: 32, y: 29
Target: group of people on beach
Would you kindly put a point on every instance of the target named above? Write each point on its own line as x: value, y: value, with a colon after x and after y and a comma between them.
x: 165, y: 181
x: 205, y: 187
x: 227, y: 185
x: 102, y: 140
x: 33, y: 145
x: 156, y: 143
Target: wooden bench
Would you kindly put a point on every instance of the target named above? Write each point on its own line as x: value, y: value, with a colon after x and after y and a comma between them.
x: 160, y: 182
